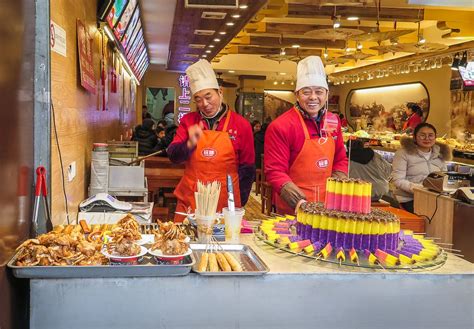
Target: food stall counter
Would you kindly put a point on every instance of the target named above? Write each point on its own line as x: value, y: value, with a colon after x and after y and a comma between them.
x: 296, y: 293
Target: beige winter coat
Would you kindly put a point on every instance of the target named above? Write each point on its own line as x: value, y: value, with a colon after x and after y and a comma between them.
x: 410, y: 168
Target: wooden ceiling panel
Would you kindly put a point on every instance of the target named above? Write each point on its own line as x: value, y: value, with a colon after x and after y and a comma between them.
x: 187, y: 20
x: 366, y: 13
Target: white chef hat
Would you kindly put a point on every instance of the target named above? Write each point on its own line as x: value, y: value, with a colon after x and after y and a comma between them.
x: 310, y: 73
x: 201, y: 76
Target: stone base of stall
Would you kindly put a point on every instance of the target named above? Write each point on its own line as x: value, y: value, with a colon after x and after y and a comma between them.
x: 295, y: 294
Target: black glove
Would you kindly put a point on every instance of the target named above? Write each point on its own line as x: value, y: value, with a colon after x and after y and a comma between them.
x: 291, y: 194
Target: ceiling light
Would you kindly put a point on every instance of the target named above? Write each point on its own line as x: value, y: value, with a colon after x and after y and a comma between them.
x: 243, y: 7
x: 421, y: 40
x: 275, y: 82
x: 236, y: 16
x: 282, y: 73
x: 283, y: 52
x: 229, y: 23
x: 325, y: 53
x: 217, y: 39
x: 292, y: 83
x: 283, y: 82
x: 359, y: 45
x: 204, y: 56
x: 336, y: 23
x: 295, y: 46
x: 394, y: 41
x: 208, y: 51
x: 211, y: 46
x: 231, y: 71
x: 222, y: 33
x: 352, y: 18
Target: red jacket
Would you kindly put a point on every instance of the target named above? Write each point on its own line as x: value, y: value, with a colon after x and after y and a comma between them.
x: 413, y: 121
x: 239, y: 129
x: 284, y: 139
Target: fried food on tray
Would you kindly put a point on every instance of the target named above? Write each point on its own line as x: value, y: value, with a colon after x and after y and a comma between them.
x: 170, y: 239
x: 59, y: 249
x: 123, y: 237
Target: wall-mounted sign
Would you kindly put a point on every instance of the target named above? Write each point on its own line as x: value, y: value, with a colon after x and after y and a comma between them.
x: 185, y: 98
x: 57, y: 39
x: 86, y: 65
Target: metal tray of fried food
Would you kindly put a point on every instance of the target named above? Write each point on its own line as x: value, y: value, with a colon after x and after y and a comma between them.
x: 147, y: 267
x: 251, y: 263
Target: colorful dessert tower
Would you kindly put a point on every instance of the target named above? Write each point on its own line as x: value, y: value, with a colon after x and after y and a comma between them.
x: 346, y: 219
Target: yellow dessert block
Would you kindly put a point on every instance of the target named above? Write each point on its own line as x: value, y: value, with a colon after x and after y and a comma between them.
x: 331, y: 185
x: 358, y: 189
x: 324, y: 222
x: 316, y: 220
x: 359, y: 226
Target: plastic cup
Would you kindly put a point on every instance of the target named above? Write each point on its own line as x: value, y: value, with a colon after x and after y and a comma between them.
x: 205, y: 227
x: 233, y: 223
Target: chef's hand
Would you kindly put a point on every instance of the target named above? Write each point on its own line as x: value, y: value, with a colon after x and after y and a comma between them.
x: 292, y: 194
x: 195, y: 133
x: 338, y: 174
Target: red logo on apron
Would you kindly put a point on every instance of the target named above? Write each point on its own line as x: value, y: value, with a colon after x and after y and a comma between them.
x: 323, y: 163
x: 209, y: 152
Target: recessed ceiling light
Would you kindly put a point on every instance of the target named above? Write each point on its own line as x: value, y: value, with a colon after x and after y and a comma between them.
x: 352, y: 18
x: 282, y: 73
x: 204, y: 56
x: 236, y: 16
x: 217, y: 40
x: 231, y: 71
x: 208, y: 51
x: 222, y: 33
x: 229, y: 23
x: 243, y: 7
x: 211, y: 46
x: 295, y: 46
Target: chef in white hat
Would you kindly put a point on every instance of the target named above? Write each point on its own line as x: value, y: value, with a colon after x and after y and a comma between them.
x: 214, y: 142
x: 304, y: 146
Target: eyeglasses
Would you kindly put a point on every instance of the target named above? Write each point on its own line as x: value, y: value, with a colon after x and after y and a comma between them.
x: 424, y: 136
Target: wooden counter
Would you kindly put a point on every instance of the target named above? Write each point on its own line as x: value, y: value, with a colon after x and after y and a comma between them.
x: 452, y: 221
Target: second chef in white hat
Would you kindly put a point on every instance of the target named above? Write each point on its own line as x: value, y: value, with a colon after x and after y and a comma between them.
x: 304, y: 146
x: 214, y: 142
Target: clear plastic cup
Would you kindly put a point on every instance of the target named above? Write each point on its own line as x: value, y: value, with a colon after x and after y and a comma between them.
x: 233, y: 223
x: 205, y: 227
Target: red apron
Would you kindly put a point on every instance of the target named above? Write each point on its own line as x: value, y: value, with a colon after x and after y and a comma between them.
x: 312, y: 166
x: 212, y: 160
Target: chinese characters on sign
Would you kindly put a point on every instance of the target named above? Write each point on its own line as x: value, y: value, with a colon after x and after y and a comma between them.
x: 185, y: 98
x: 84, y: 45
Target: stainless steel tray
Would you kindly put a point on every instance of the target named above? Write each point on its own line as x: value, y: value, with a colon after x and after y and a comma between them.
x: 248, y: 259
x: 147, y: 268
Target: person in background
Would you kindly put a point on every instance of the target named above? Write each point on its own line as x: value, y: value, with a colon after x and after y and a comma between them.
x: 161, y: 124
x: 418, y: 157
x: 145, y: 113
x: 145, y: 136
x: 258, y: 140
x: 304, y: 145
x: 371, y: 167
x: 343, y: 120
x: 415, y: 117
x: 214, y: 142
x: 256, y: 126
x: 168, y: 113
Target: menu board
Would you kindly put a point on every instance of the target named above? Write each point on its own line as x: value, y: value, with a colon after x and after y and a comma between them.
x: 129, y: 41
x: 121, y: 25
x: 131, y: 26
x: 115, y: 12
x: 135, y: 43
x: 123, y: 17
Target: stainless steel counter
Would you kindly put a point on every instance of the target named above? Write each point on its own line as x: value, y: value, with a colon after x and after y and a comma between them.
x: 296, y: 293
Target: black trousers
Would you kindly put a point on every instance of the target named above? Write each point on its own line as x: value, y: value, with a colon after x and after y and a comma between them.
x: 408, y: 206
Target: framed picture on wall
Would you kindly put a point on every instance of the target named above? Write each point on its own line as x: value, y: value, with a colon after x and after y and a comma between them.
x: 385, y: 108
x: 160, y: 103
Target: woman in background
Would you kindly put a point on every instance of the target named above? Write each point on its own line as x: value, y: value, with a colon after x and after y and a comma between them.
x: 418, y: 157
x: 415, y: 117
